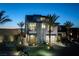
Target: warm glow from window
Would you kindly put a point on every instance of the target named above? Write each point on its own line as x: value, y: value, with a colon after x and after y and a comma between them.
x: 53, y: 39
x: 42, y: 18
x: 32, y: 26
x: 43, y: 26
x: 51, y: 28
x: 32, y: 36
x: 32, y: 39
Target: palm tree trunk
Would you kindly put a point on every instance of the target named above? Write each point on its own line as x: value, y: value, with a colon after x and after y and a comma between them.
x: 21, y: 36
x: 21, y: 31
x: 49, y: 35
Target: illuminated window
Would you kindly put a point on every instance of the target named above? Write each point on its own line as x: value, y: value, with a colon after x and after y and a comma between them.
x: 32, y: 39
x: 53, y: 39
x: 51, y: 28
x: 32, y: 26
x: 47, y: 39
x: 32, y: 36
x: 42, y: 18
x: 43, y: 25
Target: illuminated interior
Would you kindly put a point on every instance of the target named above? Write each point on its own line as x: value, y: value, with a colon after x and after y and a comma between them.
x: 43, y: 26
x: 42, y: 18
x: 51, y: 28
x: 32, y: 26
x: 32, y: 39
x: 53, y: 39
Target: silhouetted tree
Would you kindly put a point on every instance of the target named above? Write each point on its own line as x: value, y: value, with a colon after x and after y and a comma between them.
x: 3, y: 18
x: 68, y: 25
x: 21, y: 24
x: 51, y: 23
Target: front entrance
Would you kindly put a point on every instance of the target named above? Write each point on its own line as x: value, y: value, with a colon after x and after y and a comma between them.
x: 32, y: 40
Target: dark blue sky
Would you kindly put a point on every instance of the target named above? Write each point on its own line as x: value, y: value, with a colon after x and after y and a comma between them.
x: 18, y: 11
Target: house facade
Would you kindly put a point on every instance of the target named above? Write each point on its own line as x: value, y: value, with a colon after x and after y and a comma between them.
x: 37, y: 31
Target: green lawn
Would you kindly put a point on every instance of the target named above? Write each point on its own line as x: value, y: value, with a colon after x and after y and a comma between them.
x: 40, y: 51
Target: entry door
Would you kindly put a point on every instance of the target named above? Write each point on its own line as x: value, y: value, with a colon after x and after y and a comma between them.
x: 32, y: 39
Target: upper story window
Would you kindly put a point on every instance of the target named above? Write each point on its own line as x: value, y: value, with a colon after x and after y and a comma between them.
x: 43, y: 26
x: 52, y: 28
x: 32, y: 26
x: 42, y: 18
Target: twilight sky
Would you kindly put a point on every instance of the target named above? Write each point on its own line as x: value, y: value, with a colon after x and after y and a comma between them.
x: 17, y: 12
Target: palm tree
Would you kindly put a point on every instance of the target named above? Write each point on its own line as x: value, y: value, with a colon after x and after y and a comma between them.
x: 51, y: 22
x: 68, y: 25
x: 3, y: 18
x: 21, y: 24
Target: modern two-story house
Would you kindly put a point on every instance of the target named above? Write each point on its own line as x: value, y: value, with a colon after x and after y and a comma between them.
x: 37, y: 31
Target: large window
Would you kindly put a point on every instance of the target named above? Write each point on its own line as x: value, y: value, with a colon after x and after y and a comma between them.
x: 43, y: 26
x: 53, y: 38
x: 42, y: 18
x: 32, y: 26
x: 52, y: 28
x: 32, y: 39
